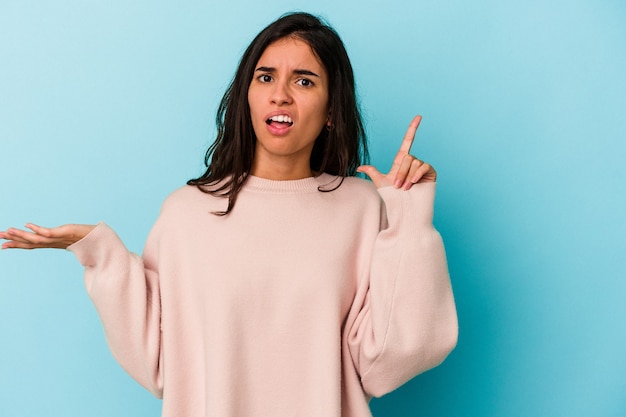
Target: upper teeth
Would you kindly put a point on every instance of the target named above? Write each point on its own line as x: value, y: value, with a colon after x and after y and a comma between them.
x: 281, y: 119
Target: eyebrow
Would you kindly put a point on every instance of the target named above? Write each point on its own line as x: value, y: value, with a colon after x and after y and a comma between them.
x: 296, y: 71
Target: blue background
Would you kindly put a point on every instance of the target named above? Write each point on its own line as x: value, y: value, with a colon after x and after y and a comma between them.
x: 106, y: 107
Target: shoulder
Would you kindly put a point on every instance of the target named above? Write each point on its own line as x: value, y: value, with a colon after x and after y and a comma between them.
x: 359, y: 188
x: 360, y: 184
x: 351, y: 194
x: 188, y: 198
x: 183, y: 193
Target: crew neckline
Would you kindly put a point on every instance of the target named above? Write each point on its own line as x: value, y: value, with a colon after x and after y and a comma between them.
x: 309, y: 184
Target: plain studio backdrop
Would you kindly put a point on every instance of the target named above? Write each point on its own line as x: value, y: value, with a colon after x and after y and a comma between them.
x: 108, y: 106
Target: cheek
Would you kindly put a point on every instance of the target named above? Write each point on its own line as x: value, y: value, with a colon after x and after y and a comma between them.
x: 324, y: 103
x: 323, y: 108
x: 255, y: 100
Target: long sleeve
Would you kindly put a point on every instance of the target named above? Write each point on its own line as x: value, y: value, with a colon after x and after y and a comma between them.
x: 404, y: 314
x: 299, y: 302
x: 125, y: 291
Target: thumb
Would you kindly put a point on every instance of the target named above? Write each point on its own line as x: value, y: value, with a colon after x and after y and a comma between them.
x: 375, y: 175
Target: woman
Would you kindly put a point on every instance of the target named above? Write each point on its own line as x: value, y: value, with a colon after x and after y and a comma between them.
x: 278, y: 284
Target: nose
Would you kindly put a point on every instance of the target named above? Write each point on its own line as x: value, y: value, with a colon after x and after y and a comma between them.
x: 281, y: 94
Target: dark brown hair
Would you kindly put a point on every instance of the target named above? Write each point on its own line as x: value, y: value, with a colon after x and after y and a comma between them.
x: 337, y: 151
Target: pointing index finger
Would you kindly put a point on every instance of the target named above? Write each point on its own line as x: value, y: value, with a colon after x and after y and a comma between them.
x: 409, y: 136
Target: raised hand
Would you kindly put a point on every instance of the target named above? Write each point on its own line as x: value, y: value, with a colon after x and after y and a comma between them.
x: 41, y: 237
x: 406, y: 169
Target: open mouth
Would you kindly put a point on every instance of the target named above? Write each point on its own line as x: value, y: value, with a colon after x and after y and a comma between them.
x: 281, y: 120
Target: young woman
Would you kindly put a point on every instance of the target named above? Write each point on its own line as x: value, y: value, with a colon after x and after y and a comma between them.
x: 277, y: 283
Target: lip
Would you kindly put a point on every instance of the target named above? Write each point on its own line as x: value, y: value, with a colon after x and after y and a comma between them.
x: 278, y: 130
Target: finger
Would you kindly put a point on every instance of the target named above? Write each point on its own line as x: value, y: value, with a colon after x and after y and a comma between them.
x: 22, y: 236
x: 14, y: 234
x: 409, y: 136
x: 370, y: 171
x: 413, y: 174
x: 6, y: 245
x: 55, y: 234
x: 403, y: 170
x: 17, y: 245
x: 405, y: 147
x: 15, y: 239
x: 425, y: 173
x: 375, y: 175
x: 430, y: 175
x: 33, y: 227
x: 19, y: 239
x: 416, y: 172
x: 11, y: 233
x: 39, y: 237
x: 43, y: 231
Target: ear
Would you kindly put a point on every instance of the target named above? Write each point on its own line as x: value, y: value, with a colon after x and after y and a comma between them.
x: 329, y: 122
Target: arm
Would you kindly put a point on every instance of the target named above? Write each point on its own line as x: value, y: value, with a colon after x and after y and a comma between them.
x: 407, y: 320
x: 123, y: 287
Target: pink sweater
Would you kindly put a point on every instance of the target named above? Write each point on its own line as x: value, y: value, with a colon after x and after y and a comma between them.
x: 298, y: 303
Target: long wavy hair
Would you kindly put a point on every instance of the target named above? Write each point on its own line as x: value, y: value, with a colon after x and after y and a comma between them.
x: 338, y: 150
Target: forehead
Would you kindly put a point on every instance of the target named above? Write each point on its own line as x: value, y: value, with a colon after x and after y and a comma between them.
x: 292, y: 52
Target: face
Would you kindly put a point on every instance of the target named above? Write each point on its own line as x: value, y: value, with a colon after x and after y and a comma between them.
x: 288, y: 99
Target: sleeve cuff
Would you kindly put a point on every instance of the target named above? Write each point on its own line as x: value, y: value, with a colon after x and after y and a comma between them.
x: 91, y: 247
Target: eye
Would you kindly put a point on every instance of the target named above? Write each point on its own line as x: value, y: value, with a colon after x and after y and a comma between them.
x: 265, y: 78
x: 305, y: 82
